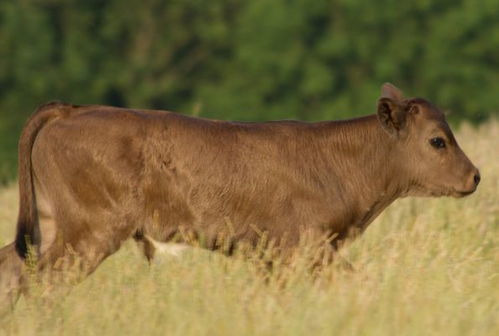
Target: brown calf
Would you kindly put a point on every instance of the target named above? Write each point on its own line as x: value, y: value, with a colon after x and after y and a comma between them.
x: 91, y: 177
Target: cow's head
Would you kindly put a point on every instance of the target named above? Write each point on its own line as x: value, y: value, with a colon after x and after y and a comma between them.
x: 429, y: 156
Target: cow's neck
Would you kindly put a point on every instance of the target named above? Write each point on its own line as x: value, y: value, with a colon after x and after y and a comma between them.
x: 364, y: 158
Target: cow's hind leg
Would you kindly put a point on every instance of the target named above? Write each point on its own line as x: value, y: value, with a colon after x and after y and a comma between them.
x: 64, y: 263
x: 75, y: 253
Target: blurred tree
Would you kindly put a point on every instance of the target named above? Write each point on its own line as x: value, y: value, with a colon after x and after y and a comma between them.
x: 247, y: 60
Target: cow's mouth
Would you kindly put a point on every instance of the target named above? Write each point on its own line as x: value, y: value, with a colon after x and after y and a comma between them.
x: 459, y: 194
x: 450, y: 192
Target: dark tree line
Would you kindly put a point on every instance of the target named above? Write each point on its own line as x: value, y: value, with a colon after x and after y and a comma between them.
x: 246, y: 60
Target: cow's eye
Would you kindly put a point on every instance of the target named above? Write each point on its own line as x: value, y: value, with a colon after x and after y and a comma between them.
x: 437, y: 142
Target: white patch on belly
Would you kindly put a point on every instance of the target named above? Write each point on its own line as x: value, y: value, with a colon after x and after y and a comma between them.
x: 172, y: 249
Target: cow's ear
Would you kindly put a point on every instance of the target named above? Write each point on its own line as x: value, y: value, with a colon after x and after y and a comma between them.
x: 388, y: 90
x: 391, y: 113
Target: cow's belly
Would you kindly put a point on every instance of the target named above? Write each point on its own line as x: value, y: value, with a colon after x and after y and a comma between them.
x: 181, y: 210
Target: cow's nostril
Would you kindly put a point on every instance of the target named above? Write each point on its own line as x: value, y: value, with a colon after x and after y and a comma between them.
x: 476, y: 178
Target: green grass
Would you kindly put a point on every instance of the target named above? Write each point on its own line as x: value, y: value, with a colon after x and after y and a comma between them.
x: 424, y: 267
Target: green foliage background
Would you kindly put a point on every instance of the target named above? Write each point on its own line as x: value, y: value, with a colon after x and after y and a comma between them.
x: 245, y: 60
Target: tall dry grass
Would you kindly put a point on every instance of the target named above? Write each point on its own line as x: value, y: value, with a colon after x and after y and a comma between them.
x: 424, y: 267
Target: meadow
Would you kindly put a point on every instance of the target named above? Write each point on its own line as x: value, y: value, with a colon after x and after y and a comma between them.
x: 424, y: 267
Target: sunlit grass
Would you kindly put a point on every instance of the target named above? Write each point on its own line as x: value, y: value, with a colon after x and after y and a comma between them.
x: 424, y: 267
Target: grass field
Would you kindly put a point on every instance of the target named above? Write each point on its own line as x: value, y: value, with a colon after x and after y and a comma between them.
x: 424, y: 267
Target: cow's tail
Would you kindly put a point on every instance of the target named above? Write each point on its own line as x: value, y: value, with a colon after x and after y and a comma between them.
x: 27, y: 220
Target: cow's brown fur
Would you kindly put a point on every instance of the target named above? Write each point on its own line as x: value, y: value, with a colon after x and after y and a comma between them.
x: 90, y: 177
